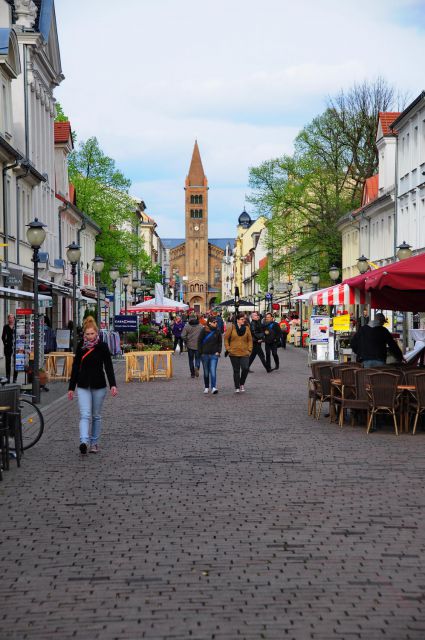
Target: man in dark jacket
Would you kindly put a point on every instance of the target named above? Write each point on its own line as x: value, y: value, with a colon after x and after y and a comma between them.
x: 272, y: 338
x: 257, y: 331
x: 190, y: 335
x: 371, y: 341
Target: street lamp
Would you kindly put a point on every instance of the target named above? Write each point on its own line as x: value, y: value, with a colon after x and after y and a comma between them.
x: 98, y: 265
x: 36, y: 235
x: 135, y: 285
x: 74, y: 254
x: 125, y: 279
x: 271, y: 290
x: 113, y: 274
x: 315, y: 279
x: 289, y: 286
x: 334, y: 273
x: 404, y: 251
x: 301, y: 283
x: 363, y: 264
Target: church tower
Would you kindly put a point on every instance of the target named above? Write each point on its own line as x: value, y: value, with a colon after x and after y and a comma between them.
x: 196, y: 222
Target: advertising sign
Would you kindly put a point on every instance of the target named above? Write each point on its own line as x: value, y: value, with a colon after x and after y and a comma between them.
x: 125, y: 323
x: 62, y: 338
x: 342, y: 323
x: 319, y: 329
x: 15, y: 277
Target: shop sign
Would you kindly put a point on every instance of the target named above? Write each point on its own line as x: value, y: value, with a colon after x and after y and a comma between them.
x: 15, y: 278
x: 342, y: 323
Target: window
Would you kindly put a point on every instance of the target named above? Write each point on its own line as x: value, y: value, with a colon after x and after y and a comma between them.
x: 196, y: 213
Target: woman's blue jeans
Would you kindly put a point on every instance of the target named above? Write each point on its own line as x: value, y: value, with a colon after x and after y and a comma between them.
x: 209, y: 363
x: 90, y: 402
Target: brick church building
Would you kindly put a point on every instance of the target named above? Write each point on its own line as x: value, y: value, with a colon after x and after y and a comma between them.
x: 196, y: 261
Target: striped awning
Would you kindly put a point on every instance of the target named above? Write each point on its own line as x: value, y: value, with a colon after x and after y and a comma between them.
x: 341, y: 294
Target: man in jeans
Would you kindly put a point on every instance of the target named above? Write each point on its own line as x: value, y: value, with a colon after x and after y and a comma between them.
x: 190, y: 335
x: 272, y: 334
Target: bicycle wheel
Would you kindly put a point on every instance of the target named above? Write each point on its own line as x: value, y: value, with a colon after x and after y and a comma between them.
x: 32, y: 422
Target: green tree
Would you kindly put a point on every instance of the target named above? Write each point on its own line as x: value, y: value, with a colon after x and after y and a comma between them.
x: 304, y: 195
x: 60, y: 116
x: 102, y: 193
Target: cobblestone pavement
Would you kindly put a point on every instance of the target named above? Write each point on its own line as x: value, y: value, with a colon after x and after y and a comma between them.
x: 228, y: 516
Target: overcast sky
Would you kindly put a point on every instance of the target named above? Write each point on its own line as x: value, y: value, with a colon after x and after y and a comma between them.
x: 147, y: 77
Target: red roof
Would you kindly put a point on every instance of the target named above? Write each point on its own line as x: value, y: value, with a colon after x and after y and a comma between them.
x: 370, y: 190
x: 386, y: 118
x: 62, y: 132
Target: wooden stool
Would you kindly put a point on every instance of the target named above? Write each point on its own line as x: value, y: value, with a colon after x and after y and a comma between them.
x: 161, y: 365
x: 133, y: 368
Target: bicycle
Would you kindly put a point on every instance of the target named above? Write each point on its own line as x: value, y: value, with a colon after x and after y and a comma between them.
x: 30, y: 417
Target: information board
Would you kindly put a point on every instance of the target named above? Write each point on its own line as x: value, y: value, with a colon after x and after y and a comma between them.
x: 319, y: 329
x: 63, y: 338
x: 125, y: 323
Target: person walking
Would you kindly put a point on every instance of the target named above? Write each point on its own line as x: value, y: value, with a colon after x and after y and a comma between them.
x: 91, y: 361
x: 190, y: 336
x: 371, y: 341
x: 8, y: 338
x: 284, y: 329
x: 177, y: 330
x: 238, y: 344
x: 257, y: 331
x: 209, y: 346
x: 272, y: 335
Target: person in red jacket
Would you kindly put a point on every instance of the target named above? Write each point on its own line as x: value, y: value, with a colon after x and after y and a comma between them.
x: 91, y: 361
x: 285, y: 328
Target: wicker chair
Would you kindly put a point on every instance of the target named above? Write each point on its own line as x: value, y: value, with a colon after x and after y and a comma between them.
x: 348, y: 391
x: 417, y: 402
x: 313, y: 385
x: 324, y: 375
x: 384, y: 397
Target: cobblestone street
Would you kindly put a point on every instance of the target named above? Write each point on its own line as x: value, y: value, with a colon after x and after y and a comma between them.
x: 228, y: 516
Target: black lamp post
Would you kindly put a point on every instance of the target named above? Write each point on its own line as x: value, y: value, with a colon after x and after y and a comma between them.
x: 404, y: 251
x: 98, y: 265
x: 289, y: 286
x: 113, y: 274
x: 125, y: 279
x: 301, y: 283
x: 236, y: 301
x: 135, y: 285
x: 74, y: 254
x: 271, y: 290
x: 36, y: 235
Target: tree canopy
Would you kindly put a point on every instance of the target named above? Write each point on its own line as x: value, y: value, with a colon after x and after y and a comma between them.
x: 102, y: 193
x: 304, y: 194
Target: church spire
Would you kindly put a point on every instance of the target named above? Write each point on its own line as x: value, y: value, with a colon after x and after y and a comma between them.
x: 196, y: 176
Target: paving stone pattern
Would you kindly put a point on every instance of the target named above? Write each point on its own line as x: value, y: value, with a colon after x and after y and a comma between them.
x: 214, y: 517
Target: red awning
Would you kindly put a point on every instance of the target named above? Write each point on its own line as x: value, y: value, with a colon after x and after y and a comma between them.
x: 340, y: 294
x: 400, y: 285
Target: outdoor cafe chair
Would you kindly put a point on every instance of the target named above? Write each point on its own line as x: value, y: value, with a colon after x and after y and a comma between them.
x: 9, y: 397
x: 324, y: 375
x: 417, y: 401
x: 384, y: 397
x: 347, y: 389
x: 313, y: 385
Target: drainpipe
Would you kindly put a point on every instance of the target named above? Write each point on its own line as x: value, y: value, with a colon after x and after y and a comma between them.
x: 83, y: 226
x: 18, y: 212
x: 395, y: 198
x: 6, y: 225
x: 61, y: 210
x: 26, y: 110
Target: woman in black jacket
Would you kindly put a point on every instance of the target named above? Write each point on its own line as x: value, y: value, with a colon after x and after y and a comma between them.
x: 209, y: 347
x: 88, y: 373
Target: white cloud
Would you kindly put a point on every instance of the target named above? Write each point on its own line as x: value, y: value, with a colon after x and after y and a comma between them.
x: 149, y: 77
